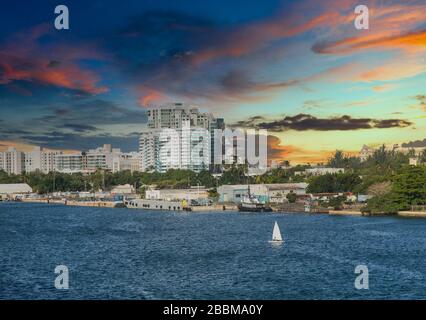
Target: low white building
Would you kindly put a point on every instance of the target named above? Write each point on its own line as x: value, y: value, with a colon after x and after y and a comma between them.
x: 126, y: 161
x: 277, y: 192
x: 274, y: 192
x: 177, y: 194
x: 10, y: 189
x: 104, y: 158
x: 123, y: 189
x: 322, y: 171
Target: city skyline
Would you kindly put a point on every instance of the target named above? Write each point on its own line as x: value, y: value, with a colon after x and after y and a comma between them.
x: 301, y: 70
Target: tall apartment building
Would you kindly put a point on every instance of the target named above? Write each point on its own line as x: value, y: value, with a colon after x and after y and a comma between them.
x: 149, y: 149
x: 12, y: 161
x: 100, y: 158
x: 33, y: 160
x: 174, y: 115
x: 161, y: 150
x: 69, y: 163
x: 40, y: 159
x: 48, y: 160
x: 104, y: 157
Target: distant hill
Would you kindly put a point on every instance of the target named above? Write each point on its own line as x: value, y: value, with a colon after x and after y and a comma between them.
x: 415, y: 144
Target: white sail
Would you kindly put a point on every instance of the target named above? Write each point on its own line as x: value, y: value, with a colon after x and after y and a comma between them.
x: 276, y: 234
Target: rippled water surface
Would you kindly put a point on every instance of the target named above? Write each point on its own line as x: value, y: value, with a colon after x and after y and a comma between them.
x: 135, y: 254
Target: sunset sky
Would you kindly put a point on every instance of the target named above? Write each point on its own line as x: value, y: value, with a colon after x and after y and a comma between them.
x: 297, y: 68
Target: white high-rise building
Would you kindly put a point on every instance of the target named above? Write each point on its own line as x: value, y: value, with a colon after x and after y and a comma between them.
x: 105, y: 158
x: 148, y: 149
x: 100, y: 158
x: 177, y: 137
x: 174, y: 115
x: 12, y: 161
x: 33, y: 160
x: 69, y: 163
x: 40, y: 159
x: 48, y: 160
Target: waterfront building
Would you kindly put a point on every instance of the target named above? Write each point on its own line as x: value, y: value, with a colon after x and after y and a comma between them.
x: 148, y: 150
x: 273, y: 192
x: 195, y: 193
x: 101, y: 158
x: 123, y: 189
x: 69, y: 163
x: 33, y: 160
x: 182, y: 148
x: 40, y: 159
x: 12, y: 189
x: 126, y: 161
x: 12, y: 161
x: 48, y: 160
x: 176, y: 138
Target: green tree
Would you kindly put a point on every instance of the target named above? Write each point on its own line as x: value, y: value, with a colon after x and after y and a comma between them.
x: 337, y: 202
x: 409, y: 187
x: 338, y: 160
x: 341, y: 182
x: 291, y: 197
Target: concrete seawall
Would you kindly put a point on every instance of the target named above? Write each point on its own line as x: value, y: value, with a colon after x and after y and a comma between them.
x: 345, y: 213
x: 105, y: 204
x: 214, y: 208
x: 414, y: 214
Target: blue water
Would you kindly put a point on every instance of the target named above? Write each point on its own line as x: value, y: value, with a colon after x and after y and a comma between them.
x: 134, y: 254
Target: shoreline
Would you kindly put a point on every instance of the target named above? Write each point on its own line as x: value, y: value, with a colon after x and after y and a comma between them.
x: 220, y: 207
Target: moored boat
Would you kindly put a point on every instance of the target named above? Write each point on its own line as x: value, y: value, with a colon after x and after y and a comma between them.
x: 251, y: 203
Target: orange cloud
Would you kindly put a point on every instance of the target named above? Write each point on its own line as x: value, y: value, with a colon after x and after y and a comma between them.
x: 411, y: 42
x: 72, y: 78
x: 21, y: 146
x: 391, y: 70
x: 388, y: 23
x: 26, y: 147
x: 384, y: 87
x: 21, y: 58
x: 150, y: 96
x: 250, y: 37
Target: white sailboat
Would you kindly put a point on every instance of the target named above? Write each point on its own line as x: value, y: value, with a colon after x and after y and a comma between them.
x: 276, y: 234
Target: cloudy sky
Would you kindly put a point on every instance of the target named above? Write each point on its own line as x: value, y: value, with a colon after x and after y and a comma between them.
x: 297, y: 68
